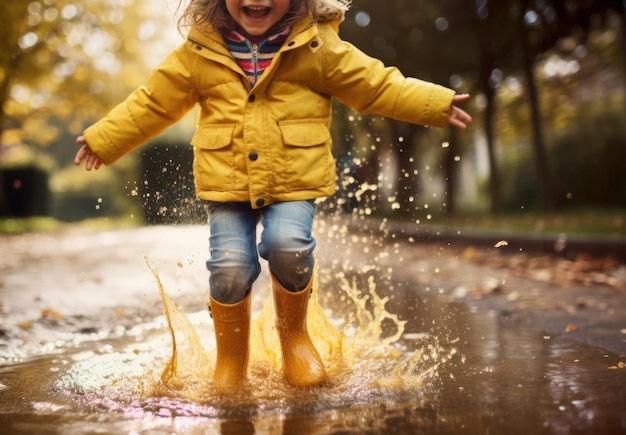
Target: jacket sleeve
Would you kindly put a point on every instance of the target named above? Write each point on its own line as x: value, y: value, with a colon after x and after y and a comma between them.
x: 365, y: 84
x: 147, y: 111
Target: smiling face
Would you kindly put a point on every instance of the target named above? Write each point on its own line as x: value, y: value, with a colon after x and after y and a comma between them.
x: 257, y: 17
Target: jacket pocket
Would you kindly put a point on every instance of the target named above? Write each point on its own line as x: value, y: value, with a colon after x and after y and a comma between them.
x: 214, y: 159
x: 308, y: 156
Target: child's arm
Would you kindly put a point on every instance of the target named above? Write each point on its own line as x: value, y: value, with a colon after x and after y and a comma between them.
x: 169, y: 93
x: 364, y: 83
x: 458, y: 117
x: 85, y: 153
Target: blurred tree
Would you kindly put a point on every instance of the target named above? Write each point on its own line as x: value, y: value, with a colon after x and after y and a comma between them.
x: 413, y: 44
x: 544, y: 25
x: 481, y: 44
x: 11, y: 12
x: 59, y: 57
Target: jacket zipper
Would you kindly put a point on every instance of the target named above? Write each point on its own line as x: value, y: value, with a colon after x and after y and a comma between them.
x: 255, y: 60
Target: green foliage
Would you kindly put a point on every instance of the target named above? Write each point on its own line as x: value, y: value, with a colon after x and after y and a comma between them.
x: 588, y: 162
x: 520, y: 186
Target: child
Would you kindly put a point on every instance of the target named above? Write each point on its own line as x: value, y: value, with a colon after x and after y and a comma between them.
x: 264, y: 73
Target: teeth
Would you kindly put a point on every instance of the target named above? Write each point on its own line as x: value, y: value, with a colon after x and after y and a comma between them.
x: 257, y: 11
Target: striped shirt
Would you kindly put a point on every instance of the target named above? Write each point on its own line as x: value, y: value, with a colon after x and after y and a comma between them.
x: 254, y: 58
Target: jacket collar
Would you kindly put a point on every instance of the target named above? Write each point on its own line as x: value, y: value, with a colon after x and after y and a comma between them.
x: 209, y: 43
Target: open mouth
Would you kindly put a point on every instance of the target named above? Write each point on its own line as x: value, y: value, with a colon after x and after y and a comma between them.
x: 256, y: 11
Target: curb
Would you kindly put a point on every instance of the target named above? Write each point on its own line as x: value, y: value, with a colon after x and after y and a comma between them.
x: 565, y: 245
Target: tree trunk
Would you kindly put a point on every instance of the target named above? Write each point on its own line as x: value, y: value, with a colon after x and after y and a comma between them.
x: 450, y: 172
x: 4, y: 208
x: 623, y: 19
x: 494, y: 174
x: 541, y: 159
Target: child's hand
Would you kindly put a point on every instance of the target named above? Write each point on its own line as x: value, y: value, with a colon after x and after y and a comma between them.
x: 458, y: 117
x: 85, y: 153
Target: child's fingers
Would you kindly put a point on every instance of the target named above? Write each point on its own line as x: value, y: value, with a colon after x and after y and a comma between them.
x: 81, y: 154
x: 463, y: 116
x: 459, y: 118
x: 456, y: 123
x: 460, y: 98
x: 93, y: 162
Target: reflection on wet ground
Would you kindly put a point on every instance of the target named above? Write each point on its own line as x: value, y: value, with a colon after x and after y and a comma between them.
x: 477, y: 372
x: 502, y: 379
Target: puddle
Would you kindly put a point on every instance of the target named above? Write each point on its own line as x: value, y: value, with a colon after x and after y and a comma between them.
x: 440, y: 367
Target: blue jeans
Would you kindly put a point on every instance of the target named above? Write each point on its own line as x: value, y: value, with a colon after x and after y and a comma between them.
x: 286, y: 243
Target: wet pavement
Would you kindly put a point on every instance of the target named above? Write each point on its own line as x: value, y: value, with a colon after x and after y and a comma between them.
x: 562, y: 285
x: 499, y: 353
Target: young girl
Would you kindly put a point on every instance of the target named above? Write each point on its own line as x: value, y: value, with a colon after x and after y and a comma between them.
x: 264, y: 73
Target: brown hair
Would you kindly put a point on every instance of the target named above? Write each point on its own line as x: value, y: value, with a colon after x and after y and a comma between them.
x: 200, y: 13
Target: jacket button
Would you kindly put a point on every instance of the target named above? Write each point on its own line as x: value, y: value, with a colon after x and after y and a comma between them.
x: 253, y: 156
x: 260, y: 202
x: 314, y: 44
x: 251, y: 98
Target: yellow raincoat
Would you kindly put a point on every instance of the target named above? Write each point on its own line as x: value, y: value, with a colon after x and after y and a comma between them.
x: 272, y: 142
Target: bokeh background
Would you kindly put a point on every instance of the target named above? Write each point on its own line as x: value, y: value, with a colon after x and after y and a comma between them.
x: 546, y: 151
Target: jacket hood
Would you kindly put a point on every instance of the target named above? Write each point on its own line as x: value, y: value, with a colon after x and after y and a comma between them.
x: 331, y: 10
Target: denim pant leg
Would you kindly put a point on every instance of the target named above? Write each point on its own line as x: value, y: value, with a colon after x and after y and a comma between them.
x: 287, y: 243
x: 234, y: 263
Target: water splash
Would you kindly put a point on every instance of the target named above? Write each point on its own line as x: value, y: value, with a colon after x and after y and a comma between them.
x: 189, y: 362
x: 363, y: 365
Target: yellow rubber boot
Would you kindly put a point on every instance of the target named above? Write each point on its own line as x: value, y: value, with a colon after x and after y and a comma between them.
x: 232, y: 338
x: 302, y: 365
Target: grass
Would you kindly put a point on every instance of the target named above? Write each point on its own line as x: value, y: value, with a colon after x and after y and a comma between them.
x: 602, y: 222
x: 13, y: 226
x: 26, y: 225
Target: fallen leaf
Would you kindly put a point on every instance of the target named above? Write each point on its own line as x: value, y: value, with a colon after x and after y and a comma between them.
x: 49, y: 313
x: 27, y: 324
x: 570, y: 328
